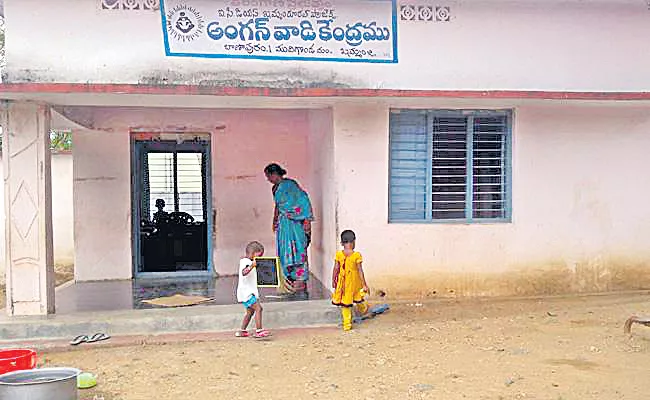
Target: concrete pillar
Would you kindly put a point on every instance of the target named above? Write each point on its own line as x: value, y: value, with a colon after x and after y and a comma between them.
x: 322, y: 193
x: 28, y: 208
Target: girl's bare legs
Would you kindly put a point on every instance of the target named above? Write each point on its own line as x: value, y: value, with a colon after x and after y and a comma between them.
x: 247, y: 318
x: 257, y: 308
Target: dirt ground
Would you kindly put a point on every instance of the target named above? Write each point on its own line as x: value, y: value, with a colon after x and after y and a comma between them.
x: 63, y: 273
x: 555, y: 349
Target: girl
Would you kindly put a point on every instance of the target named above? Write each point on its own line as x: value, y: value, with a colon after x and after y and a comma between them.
x: 348, y: 281
x: 247, y: 292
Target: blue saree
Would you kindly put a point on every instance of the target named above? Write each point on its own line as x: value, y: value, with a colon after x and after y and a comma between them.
x: 293, y: 215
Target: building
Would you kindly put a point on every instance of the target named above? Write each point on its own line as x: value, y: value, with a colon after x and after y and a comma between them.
x: 476, y: 147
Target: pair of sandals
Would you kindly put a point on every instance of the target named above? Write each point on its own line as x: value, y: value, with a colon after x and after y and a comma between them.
x: 97, y: 337
x: 259, y: 334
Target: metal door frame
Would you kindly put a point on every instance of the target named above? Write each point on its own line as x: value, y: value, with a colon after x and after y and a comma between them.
x: 138, y: 149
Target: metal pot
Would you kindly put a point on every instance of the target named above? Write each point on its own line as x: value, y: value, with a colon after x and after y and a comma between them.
x: 40, y: 384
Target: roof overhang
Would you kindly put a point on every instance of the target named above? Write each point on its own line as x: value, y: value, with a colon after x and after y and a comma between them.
x: 194, y: 96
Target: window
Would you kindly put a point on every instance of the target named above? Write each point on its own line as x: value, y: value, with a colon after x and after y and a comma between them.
x: 177, y: 179
x: 449, y: 166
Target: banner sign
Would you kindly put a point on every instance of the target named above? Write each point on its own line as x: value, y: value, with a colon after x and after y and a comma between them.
x: 309, y: 30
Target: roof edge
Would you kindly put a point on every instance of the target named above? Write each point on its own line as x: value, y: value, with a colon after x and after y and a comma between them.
x: 198, y: 90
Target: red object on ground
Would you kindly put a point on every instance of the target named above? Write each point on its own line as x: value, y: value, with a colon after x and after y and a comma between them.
x: 16, y: 360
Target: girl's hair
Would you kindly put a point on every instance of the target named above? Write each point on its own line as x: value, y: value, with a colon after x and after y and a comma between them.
x: 254, y: 247
x: 348, y: 236
x: 275, y: 169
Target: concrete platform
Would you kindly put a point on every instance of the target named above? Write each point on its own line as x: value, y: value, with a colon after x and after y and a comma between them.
x: 213, y: 318
x: 104, y: 296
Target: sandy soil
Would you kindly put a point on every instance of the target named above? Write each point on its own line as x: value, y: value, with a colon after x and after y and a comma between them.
x: 64, y: 273
x: 571, y: 348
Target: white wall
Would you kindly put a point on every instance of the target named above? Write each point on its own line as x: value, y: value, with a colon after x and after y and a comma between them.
x: 62, y: 209
x: 61, y: 212
x: 102, y: 205
x: 573, y: 45
x: 323, y: 195
x: 580, y: 215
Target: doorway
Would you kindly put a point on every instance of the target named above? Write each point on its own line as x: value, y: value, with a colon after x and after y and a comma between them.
x: 171, y: 208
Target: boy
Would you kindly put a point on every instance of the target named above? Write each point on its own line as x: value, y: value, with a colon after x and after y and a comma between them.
x: 348, y: 281
x: 247, y: 292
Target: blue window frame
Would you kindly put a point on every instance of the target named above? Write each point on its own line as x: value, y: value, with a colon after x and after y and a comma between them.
x: 450, y: 166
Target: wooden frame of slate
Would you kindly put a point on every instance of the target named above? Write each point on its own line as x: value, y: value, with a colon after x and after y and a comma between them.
x: 268, y: 271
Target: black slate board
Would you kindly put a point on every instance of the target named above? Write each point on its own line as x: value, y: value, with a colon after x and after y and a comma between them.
x: 268, y: 271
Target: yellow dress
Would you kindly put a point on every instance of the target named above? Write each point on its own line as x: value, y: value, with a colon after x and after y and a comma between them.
x: 349, y: 285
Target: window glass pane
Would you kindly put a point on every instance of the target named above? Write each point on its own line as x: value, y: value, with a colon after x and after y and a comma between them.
x: 190, y: 184
x: 489, y: 172
x: 161, y: 180
x: 449, y: 167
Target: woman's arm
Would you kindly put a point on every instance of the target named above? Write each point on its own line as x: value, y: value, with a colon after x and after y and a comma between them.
x: 335, y: 274
x: 306, y: 225
x: 275, y: 218
x: 275, y: 209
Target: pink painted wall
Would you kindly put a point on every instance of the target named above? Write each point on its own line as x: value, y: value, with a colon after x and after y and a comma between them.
x: 241, y: 194
x: 243, y: 143
x: 580, y: 217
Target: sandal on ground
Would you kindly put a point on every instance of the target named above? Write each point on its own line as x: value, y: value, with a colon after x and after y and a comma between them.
x: 241, y: 334
x: 98, y: 337
x: 261, y: 334
x: 379, y: 309
x: 79, y: 339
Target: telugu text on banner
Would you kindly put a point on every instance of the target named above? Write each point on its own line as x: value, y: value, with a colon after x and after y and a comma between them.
x: 312, y: 30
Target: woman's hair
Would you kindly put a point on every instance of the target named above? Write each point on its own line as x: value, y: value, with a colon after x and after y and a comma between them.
x: 254, y: 247
x: 275, y: 169
x: 348, y: 236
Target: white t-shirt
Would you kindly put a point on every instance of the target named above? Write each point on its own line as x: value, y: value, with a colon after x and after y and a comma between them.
x: 247, y: 285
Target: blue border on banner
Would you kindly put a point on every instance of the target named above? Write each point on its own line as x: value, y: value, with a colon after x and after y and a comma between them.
x: 279, y: 58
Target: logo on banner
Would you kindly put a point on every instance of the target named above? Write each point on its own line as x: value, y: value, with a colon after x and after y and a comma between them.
x: 184, y: 23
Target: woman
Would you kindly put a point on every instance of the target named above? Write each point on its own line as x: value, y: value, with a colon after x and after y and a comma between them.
x: 292, y: 226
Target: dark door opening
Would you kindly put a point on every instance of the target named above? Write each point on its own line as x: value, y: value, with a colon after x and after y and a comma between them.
x: 171, y: 187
